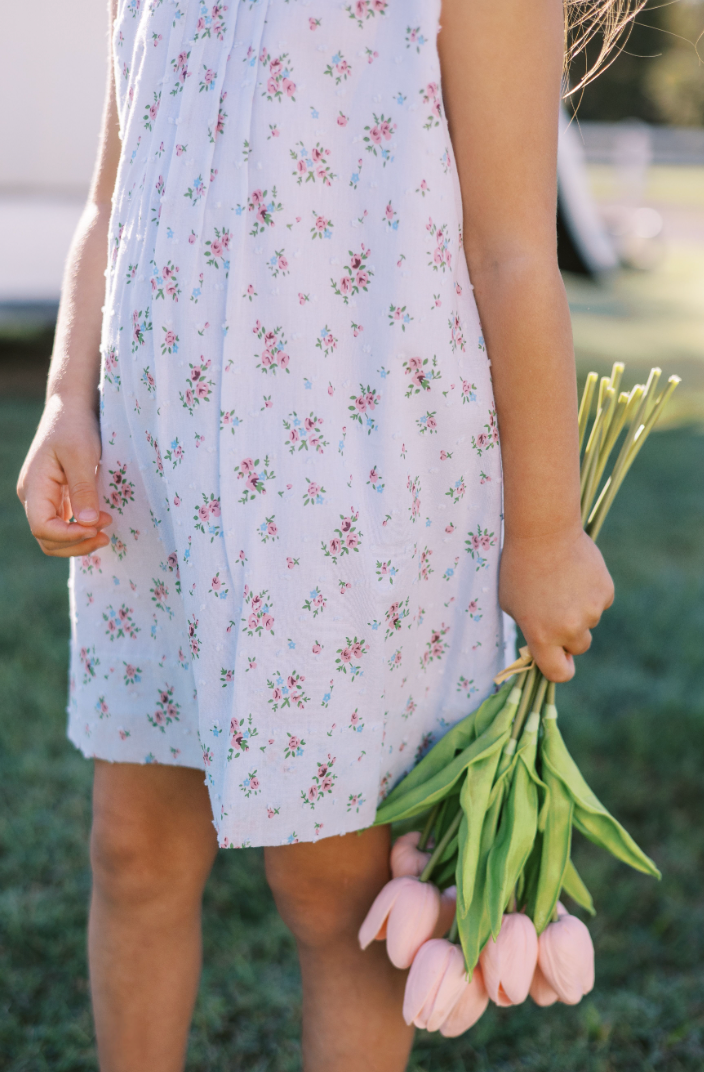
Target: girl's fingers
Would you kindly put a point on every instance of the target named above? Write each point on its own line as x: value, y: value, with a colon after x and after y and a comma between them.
x: 553, y: 661
x: 82, y: 487
x: 580, y: 645
x: 85, y: 547
x: 47, y: 525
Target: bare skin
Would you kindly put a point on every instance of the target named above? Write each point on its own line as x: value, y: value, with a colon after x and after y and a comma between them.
x: 153, y: 841
x: 152, y: 848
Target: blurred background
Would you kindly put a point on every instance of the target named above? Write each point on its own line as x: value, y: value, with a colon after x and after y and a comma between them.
x: 631, y: 245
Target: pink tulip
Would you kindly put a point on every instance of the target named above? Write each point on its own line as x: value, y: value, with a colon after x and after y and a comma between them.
x: 406, y: 857
x: 566, y: 957
x: 508, y: 964
x: 434, y: 985
x: 470, y: 1005
x: 540, y: 990
x: 405, y: 913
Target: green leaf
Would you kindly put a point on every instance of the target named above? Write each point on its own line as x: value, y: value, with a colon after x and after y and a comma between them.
x: 454, y: 741
x: 590, y: 816
x: 555, y: 851
x: 475, y: 798
x: 474, y: 925
x: 531, y: 874
x: 574, y: 887
x: 516, y: 833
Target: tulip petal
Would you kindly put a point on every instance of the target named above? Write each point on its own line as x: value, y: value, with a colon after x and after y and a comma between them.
x: 566, y: 958
x: 411, y: 920
x: 540, y: 990
x: 490, y: 961
x: 448, y: 993
x: 508, y: 964
x: 424, y: 980
x: 406, y: 857
x: 374, y: 925
x: 519, y: 957
x: 470, y: 1005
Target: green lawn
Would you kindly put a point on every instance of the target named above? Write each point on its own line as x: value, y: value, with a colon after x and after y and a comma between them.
x: 634, y: 718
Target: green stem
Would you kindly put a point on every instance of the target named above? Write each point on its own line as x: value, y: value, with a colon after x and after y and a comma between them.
x: 452, y: 936
x: 525, y: 702
x: 585, y: 405
x: 428, y: 828
x: 550, y: 698
x: 441, y: 846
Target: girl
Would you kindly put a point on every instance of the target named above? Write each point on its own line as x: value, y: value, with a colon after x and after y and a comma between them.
x: 285, y: 526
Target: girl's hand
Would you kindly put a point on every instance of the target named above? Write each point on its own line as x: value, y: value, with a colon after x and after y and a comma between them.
x: 58, y: 482
x: 556, y: 588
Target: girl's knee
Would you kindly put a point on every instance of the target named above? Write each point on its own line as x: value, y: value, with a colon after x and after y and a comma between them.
x: 323, y: 891
x: 143, y: 851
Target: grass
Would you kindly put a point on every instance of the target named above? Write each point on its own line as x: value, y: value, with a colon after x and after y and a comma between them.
x: 634, y: 717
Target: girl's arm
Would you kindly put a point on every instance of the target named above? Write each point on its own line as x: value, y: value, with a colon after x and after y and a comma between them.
x: 58, y: 478
x: 501, y: 75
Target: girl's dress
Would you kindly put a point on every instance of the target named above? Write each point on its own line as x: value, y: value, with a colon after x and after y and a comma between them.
x: 300, y: 449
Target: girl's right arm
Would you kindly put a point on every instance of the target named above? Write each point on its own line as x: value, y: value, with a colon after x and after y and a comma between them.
x: 58, y: 478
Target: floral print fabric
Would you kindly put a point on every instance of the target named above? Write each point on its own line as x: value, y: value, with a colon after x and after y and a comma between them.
x: 300, y: 447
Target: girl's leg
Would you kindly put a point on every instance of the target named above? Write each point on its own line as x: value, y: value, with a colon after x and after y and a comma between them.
x: 152, y: 848
x: 351, y: 1000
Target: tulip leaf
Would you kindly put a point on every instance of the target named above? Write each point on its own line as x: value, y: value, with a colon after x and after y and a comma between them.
x: 516, y: 833
x: 474, y: 926
x: 590, y: 816
x: 453, y: 742
x: 574, y: 887
x: 476, y: 799
x: 403, y: 805
x: 555, y: 851
x: 531, y: 874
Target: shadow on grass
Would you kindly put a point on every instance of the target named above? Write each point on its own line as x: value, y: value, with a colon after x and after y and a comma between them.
x: 634, y: 717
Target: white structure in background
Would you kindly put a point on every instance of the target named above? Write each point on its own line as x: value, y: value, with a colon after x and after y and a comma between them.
x: 51, y: 91
x: 52, y: 81
x: 586, y: 228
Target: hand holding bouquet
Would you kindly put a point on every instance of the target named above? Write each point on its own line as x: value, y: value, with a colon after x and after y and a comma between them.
x: 497, y: 799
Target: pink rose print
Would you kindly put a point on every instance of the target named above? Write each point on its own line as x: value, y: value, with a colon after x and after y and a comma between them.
x: 348, y: 657
x: 166, y: 710
x: 381, y: 130
x: 294, y: 746
x: 279, y: 83
x: 478, y: 544
x: 357, y: 275
x: 321, y: 783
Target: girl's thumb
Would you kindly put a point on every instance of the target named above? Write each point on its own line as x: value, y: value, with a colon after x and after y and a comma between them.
x: 83, y: 492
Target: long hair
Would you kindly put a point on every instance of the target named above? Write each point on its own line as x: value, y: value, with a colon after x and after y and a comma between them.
x: 608, y: 21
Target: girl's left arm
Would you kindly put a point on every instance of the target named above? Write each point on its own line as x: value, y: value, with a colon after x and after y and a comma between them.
x: 502, y: 63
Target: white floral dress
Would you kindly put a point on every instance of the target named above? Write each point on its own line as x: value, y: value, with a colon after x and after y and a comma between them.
x: 300, y: 448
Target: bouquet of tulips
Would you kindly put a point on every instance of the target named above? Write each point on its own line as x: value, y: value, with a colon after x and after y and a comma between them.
x: 488, y: 814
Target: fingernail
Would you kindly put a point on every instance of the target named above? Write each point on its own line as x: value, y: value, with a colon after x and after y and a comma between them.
x: 87, y: 516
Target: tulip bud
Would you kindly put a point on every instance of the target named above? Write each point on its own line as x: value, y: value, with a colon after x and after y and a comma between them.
x: 508, y: 964
x: 540, y: 990
x: 406, y: 857
x: 566, y: 957
x: 405, y: 912
x: 470, y: 1005
x: 435, y: 982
